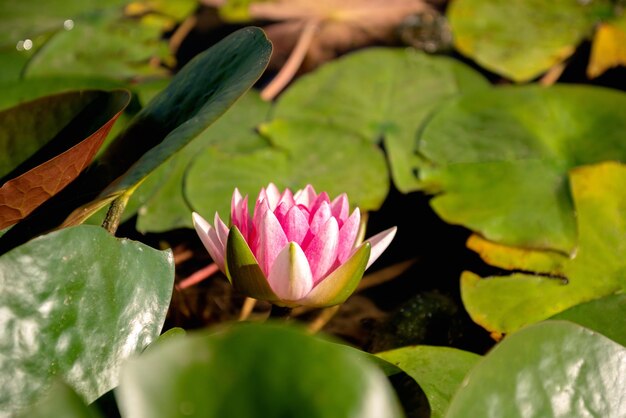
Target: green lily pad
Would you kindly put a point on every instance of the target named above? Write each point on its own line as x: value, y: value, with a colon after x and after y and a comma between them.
x: 439, y: 371
x: 503, y: 304
x: 77, y: 303
x: 60, y: 401
x: 302, y: 153
x: 254, y: 370
x: 160, y: 200
x: 522, y: 39
x: 552, y: 369
x: 105, y: 45
x: 498, y: 160
x: 605, y: 315
x: 379, y: 94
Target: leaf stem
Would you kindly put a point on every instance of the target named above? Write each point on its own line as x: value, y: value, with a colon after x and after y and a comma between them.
x: 114, y: 214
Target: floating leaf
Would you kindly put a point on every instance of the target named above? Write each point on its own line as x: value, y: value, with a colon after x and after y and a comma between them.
x: 103, y: 46
x: 606, y: 315
x: 522, y: 39
x: 609, y: 47
x: 48, y: 142
x: 379, y: 94
x: 76, y: 303
x: 549, y: 370
x: 596, y: 269
x: 254, y: 370
x: 499, y: 159
x: 439, y: 371
x: 303, y: 153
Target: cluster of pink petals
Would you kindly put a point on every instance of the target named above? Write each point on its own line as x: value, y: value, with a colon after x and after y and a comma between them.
x: 319, y: 234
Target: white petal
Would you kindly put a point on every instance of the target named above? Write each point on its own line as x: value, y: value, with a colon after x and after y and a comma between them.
x: 211, y: 241
x: 221, y: 228
x: 379, y: 243
x: 290, y: 277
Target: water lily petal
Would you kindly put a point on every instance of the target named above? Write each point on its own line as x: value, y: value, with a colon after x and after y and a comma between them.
x: 347, y: 236
x: 322, y: 250
x: 317, y: 203
x: 339, y: 284
x: 295, y: 225
x: 290, y: 276
x: 306, y: 196
x: 243, y: 269
x: 221, y: 229
x: 287, y: 197
x: 340, y: 208
x: 211, y: 241
x: 273, y: 195
x: 272, y: 240
x: 379, y: 243
x: 320, y: 217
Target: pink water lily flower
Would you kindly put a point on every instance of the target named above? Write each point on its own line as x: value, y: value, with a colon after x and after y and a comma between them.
x: 296, y: 249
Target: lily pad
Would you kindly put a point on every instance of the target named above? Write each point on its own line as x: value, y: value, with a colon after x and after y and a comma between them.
x: 60, y: 401
x: 498, y: 160
x: 379, y: 94
x: 47, y: 143
x: 75, y: 304
x: 303, y: 153
x: 439, y: 371
x: 254, y: 370
x: 606, y: 315
x: 552, y: 369
x: 522, y: 39
x: 503, y: 304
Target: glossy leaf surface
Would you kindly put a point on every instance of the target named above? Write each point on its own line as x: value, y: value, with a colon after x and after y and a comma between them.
x: 254, y: 370
x: 552, y: 369
x: 499, y: 160
x: 596, y: 269
x: 75, y: 304
x: 439, y: 371
x: 48, y: 142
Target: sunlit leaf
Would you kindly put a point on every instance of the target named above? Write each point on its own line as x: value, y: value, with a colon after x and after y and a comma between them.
x: 254, y: 370
x: 609, y: 47
x: 439, y: 371
x: 75, y: 304
x: 498, y: 160
x: 522, y: 39
x: 549, y: 370
x: 47, y: 143
x: 597, y: 268
x: 379, y: 94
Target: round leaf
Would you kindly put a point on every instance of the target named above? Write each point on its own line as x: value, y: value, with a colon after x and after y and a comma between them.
x: 499, y: 160
x: 254, y: 370
x: 552, y: 369
x: 521, y: 39
x: 76, y: 303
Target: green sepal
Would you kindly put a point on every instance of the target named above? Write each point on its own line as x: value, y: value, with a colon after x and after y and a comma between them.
x: 243, y: 270
x: 341, y: 283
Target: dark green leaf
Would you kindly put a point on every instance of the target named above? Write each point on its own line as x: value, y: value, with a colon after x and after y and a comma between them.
x: 76, y: 303
x: 254, y: 370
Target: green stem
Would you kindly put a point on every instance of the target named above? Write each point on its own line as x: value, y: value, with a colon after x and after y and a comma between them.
x: 114, y: 214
